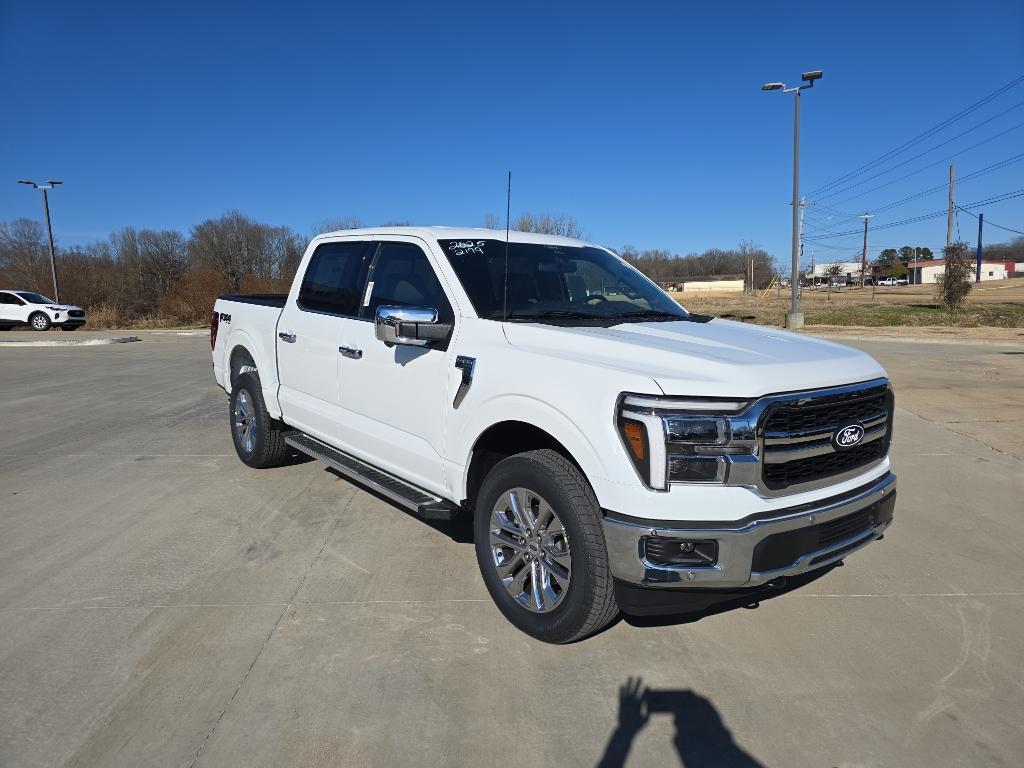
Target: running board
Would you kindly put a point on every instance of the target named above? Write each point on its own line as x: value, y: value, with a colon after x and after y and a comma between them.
x: 424, y: 504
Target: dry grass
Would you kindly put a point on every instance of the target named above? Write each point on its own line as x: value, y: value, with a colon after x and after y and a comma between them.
x: 998, y: 304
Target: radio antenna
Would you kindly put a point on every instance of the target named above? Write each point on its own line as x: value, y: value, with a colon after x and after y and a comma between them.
x: 508, y: 211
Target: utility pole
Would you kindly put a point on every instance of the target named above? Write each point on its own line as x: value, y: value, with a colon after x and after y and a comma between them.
x: 864, y: 253
x: 949, y: 214
x: 49, y: 230
x: 981, y: 222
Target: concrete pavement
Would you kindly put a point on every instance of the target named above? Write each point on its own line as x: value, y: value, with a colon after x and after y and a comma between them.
x: 162, y: 604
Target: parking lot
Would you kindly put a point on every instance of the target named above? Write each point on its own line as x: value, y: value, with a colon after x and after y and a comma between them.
x: 162, y: 604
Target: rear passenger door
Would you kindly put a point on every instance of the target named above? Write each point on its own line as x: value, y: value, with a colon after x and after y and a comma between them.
x: 307, y: 343
x: 394, y: 398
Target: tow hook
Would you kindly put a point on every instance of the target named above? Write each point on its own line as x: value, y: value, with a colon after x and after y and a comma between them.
x: 778, y: 583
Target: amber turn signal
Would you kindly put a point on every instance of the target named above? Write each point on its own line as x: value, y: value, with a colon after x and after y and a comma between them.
x: 635, y: 435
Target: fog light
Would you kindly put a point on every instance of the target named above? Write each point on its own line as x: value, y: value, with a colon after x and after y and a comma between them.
x: 659, y: 550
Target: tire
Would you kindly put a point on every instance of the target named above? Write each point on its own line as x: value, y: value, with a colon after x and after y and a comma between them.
x: 70, y: 327
x: 569, y: 603
x: 39, y: 321
x: 258, y: 439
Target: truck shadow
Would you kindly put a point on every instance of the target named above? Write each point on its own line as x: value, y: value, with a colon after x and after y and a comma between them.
x: 749, y: 601
x: 701, y: 738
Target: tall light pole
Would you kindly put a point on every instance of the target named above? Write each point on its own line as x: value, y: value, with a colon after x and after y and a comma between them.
x: 795, y: 318
x: 49, y: 230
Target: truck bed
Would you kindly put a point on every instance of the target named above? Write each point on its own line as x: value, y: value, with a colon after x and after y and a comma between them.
x: 263, y: 299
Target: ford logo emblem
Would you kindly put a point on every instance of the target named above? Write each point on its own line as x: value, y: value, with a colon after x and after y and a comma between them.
x: 848, y: 436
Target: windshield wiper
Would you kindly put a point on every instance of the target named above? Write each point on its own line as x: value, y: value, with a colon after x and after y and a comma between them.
x: 554, y: 314
x: 654, y: 314
x: 657, y: 314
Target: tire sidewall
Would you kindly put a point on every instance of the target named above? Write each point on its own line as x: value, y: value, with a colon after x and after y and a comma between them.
x: 250, y: 385
x: 560, y: 624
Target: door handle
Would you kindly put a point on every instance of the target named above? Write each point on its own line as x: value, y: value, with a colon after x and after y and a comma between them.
x: 352, y: 352
x: 289, y: 337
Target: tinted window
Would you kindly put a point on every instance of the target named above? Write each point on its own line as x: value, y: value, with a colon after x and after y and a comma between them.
x: 35, y: 298
x: 6, y: 298
x: 334, y: 278
x: 557, y: 281
x: 403, y: 277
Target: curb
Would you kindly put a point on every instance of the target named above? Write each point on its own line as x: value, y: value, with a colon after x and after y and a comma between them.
x: 69, y: 342
x: 916, y: 339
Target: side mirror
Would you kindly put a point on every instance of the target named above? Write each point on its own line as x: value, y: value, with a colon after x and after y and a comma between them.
x: 412, y: 326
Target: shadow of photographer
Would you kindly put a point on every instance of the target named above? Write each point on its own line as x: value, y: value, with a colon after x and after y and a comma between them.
x: 701, y: 739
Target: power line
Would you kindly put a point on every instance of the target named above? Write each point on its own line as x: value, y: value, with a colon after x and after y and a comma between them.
x: 925, y: 216
x: 922, y: 154
x: 992, y: 223
x: 960, y: 180
x: 932, y: 164
x: 919, y: 138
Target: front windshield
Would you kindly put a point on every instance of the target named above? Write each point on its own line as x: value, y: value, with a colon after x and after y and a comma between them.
x: 35, y: 298
x: 555, y: 283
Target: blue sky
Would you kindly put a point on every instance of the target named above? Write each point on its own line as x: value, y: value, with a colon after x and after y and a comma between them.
x: 645, y: 121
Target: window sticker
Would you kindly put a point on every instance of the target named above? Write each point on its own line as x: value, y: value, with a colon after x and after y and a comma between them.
x: 369, y: 292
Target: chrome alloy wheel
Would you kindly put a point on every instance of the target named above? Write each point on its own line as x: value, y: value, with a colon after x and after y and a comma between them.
x: 244, y: 422
x: 530, y: 550
x: 39, y: 322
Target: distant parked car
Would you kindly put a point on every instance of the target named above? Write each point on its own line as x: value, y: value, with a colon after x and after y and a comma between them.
x: 893, y: 281
x: 37, y: 312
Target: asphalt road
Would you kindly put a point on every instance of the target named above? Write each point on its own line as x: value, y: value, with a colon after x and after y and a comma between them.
x: 161, y: 604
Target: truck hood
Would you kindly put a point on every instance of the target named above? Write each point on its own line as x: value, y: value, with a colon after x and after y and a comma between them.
x: 717, y: 358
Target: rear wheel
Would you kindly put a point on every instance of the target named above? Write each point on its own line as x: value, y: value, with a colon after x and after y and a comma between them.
x: 39, y: 321
x: 258, y: 439
x: 541, y: 550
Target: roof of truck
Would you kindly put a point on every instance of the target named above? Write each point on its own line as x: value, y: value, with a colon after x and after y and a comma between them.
x: 460, y: 233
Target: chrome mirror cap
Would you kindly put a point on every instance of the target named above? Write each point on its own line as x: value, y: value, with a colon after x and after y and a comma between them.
x: 389, y: 321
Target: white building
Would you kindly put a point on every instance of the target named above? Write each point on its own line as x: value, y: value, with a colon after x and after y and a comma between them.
x: 849, y: 270
x: 932, y: 271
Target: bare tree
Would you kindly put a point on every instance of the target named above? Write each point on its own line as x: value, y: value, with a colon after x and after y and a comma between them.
x: 832, y: 272
x: 957, y: 277
x: 23, y: 254
x: 493, y: 221
x: 547, y: 224
x: 336, y: 224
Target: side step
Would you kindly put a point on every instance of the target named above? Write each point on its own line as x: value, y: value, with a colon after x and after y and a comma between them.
x: 424, y: 504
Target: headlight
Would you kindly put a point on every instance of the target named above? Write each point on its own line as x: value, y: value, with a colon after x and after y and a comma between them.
x: 674, y: 440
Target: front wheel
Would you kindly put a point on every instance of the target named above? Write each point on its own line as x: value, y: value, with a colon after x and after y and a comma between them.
x: 39, y: 322
x: 541, y: 549
x: 258, y: 439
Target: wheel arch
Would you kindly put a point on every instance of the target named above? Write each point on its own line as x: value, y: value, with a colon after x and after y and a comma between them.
x: 500, y: 438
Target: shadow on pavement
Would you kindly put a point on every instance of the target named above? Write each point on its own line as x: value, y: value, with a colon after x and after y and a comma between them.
x: 749, y: 601
x: 701, y: 739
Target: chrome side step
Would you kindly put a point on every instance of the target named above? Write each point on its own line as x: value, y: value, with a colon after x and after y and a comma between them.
x: 424, y: 504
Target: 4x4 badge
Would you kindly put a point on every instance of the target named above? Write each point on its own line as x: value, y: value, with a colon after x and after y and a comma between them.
x: 848, y: 436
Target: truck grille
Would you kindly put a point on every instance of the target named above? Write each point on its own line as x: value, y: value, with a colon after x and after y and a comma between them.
x: 76, y: 313
x: 797, y: 435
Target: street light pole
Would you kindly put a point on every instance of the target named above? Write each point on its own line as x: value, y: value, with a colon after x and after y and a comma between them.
x: 795, y: 318
x: 49, y: 230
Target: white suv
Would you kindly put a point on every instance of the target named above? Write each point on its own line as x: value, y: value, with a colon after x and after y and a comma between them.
x: 38, y: 312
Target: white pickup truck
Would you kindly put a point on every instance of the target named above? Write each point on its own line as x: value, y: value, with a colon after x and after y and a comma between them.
x: 615, y: 451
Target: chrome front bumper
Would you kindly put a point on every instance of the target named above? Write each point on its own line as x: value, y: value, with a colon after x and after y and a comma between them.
x: 736, y: 544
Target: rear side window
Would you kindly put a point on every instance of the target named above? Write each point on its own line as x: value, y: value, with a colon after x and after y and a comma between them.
x: 6, y: 298
x: 402, y: 276
x: 334, y: 278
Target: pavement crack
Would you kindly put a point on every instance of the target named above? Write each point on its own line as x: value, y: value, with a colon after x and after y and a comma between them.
x: 273, y: 629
